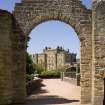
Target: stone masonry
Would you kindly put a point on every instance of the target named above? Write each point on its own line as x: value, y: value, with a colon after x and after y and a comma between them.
x: 12, y: 52
x: 15, y: 28
x: 5, y: 58
x: 30, y: 13
x: 53, y: 59
x: 98, y: 66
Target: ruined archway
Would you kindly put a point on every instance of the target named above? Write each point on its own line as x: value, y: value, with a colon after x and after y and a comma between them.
x: 14, y: 29
x: 30, y: 13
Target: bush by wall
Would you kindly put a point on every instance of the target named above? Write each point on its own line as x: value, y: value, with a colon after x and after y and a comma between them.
x: 30, y: 69
x: 29, y: 77
x: 39, y: 68
x: 50, y: 74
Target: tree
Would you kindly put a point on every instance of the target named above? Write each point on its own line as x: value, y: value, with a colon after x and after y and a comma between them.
x: 30, y: 69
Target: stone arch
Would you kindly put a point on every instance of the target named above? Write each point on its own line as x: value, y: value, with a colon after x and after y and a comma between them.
x: 29, y: 14
x: 34, y: 24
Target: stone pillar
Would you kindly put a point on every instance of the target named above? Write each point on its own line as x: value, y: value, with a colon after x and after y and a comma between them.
x: 6, y: 92
x: 98, y: 46
x: 12, y: 61
x: 18, y: 41
x: 85, y: 71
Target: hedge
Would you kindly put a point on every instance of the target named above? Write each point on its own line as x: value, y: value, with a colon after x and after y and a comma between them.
x: 50, y: 74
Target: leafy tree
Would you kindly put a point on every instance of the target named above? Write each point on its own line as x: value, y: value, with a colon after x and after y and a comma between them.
x: 39, y: 68
x: 30, y: 69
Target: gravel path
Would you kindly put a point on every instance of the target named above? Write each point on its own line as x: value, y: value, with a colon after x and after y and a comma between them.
x: 55, y: 92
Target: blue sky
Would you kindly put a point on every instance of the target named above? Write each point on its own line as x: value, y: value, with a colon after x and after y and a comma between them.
x: 51, y: 33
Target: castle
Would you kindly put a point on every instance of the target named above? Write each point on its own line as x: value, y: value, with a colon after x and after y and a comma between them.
x: 52, y: 59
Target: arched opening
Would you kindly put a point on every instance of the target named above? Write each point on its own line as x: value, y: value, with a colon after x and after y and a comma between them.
x: 54, y: 29
x: 49, y: 36
x: 27, y: 15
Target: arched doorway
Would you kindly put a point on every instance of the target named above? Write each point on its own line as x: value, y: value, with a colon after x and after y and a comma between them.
x: 31, y: 13
x: 89, y: 24
x: 58, y: 36
x: 28, y: 15
x: 54, y: 33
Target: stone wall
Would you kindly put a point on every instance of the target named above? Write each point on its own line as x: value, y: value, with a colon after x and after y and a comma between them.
x: 98, y: 37
x: 18, y: 41
x: 12, y: 60
x: 5, y: 58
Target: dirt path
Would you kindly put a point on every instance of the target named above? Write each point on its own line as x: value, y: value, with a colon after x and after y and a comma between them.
x: 55, y: 92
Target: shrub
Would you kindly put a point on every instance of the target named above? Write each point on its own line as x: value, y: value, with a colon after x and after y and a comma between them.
x: 50, y: 74
x: 39, y: 68
x: 29, y: 77
x: 30, y: 69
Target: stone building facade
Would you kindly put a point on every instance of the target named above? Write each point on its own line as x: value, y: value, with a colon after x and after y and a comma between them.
x: 53, y: 59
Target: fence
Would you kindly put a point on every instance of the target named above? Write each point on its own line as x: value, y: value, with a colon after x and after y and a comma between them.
x: 71, y: 77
